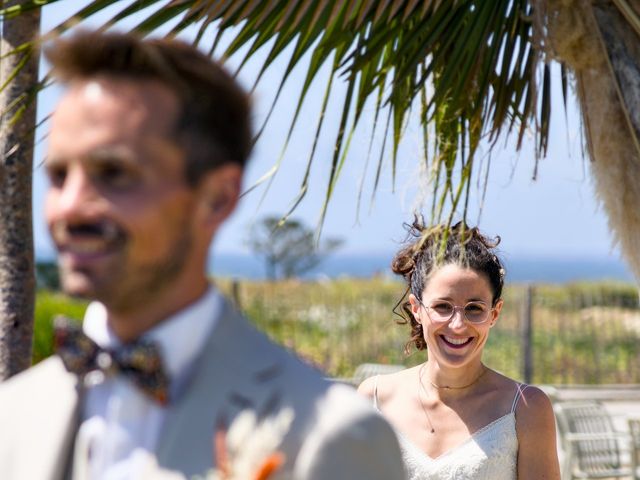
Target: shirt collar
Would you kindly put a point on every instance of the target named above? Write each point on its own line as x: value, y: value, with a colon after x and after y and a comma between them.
x: 181, y: 337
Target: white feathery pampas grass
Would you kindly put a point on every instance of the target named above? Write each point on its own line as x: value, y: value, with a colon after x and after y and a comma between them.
x: 572, y: 36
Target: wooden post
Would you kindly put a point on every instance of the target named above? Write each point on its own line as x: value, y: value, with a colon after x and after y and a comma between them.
x: 527, y: 335
x: 235, y: 293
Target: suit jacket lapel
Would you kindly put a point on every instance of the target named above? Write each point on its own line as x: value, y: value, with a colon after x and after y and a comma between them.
x: 224, y: 381
x: 48, y: 429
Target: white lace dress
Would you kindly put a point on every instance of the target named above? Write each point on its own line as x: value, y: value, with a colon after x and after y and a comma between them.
x: 491, y: 453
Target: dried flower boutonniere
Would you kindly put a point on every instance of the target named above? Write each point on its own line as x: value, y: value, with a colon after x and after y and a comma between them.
x: 248, y: 450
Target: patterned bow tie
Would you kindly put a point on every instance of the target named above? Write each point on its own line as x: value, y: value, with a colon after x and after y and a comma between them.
x: 139, y: 361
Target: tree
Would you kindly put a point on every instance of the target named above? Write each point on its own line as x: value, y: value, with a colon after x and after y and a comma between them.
x: 47, y: 276
x: 19, y: 79
x: 288, y: 246
x: 472, y: 69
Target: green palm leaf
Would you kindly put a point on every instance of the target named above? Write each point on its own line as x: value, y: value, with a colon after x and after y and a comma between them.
x: 468, y: 64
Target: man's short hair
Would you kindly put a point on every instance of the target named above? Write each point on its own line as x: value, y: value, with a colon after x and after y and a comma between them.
x: 213, y: 125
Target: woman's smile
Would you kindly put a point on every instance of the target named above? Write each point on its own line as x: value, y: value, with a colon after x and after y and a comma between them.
x: 456, y: 342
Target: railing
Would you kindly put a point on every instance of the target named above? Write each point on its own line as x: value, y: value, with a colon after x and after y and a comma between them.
x: 599, y: 430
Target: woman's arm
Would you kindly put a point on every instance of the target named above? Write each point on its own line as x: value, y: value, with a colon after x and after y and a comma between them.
x: 536, y: 429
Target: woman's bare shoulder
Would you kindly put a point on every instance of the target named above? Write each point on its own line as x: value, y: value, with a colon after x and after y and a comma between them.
x: 533, y: 401
x: 509, y: 385
x: 367, y: 387
x: 385, y: 384
x: 534, y: 412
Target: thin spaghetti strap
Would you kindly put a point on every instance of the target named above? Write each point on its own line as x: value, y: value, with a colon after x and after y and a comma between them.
x: 375, y: 392
x: 520, y: 388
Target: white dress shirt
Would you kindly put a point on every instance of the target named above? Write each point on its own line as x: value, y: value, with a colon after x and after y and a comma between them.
x: 120, y: 425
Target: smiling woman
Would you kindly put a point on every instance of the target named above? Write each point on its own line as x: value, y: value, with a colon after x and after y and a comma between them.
x: 454, y: 416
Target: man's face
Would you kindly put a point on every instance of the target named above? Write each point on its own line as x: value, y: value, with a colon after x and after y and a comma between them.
x: 118, y: 208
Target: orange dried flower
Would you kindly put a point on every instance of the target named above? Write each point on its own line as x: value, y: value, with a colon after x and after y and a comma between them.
x: 271, y: 464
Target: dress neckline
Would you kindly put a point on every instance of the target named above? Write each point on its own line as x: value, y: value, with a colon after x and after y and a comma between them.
x: 473, y: 436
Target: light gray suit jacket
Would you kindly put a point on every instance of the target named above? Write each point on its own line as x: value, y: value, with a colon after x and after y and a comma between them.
x: 334, y: 434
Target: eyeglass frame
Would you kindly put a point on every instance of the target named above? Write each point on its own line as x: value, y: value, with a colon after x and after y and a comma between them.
x: 461, y: 308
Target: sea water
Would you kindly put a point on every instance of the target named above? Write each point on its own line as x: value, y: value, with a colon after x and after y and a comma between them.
x: 519, y: 268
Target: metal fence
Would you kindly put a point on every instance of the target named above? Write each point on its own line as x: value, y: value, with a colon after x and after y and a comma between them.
x: 579, y: 334
x: 565, y: 334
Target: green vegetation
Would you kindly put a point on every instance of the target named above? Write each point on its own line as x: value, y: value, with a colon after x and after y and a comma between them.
x: 48, y: 305
x: 582, y: 333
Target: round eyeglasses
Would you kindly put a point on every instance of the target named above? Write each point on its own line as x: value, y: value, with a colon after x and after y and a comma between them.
x: 442, y: 311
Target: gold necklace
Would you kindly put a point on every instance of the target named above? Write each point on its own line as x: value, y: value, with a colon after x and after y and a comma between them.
x: 424, y: 390
x: 448, y: 387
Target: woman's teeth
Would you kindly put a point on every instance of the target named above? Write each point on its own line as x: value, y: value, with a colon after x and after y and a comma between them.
x: 456, y: 341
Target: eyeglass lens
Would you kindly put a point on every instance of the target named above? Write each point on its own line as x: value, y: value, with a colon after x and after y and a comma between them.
x: 474, y: 312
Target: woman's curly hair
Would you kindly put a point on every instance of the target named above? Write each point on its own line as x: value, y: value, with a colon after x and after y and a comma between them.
x: 429, y: 248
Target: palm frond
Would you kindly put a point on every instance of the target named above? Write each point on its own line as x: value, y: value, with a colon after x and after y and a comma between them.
x: 476, y: 57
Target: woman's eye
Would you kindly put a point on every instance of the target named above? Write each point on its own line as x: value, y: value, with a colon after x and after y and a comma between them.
x: 442, y: 307
x: 475, y: 308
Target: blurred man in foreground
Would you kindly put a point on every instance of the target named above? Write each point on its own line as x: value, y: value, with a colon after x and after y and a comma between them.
x: 145, y: 160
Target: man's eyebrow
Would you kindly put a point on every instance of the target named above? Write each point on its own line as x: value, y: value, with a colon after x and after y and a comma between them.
x: 109, y: 152
x: 119, y: 152
x: 48, y: 160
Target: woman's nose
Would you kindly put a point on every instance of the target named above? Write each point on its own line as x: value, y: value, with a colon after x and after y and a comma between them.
x: 457, y: 319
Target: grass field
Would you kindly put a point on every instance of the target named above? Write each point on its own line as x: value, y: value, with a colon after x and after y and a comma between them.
x: 582, y: 333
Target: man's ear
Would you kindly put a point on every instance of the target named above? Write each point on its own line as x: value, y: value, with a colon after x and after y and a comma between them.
x: 219, y: 193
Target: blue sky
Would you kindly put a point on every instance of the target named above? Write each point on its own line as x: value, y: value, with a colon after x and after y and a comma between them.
x: 556, y: 215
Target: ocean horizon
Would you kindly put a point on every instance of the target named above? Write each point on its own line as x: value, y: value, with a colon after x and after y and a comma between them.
x: 523, y: 268
x: 520, y: 269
